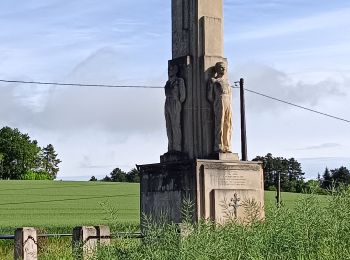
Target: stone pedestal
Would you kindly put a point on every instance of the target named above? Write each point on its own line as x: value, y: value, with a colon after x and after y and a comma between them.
x: 220, y: 190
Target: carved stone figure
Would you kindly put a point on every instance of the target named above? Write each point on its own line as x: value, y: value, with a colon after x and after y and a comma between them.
x: 175, y: 92
x: 219, y: 94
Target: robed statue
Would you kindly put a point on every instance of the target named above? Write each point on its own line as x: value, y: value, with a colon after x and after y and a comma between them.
x: 175, y: 92
x: 219, y: 94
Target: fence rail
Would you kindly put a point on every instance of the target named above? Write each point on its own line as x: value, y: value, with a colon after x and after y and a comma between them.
x: 85, y: 240
x: 112, y: 236
x: 7, y: 237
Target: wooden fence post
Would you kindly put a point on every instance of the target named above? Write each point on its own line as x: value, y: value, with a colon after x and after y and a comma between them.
x: 86, y: 239
x: 26, y: 247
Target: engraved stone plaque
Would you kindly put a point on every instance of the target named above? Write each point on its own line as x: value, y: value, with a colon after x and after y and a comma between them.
x: 235, y: 205
x: 220, y: 180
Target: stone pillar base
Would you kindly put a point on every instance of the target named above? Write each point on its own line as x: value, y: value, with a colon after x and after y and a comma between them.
x: 219, y: 190
x: 173, y: 157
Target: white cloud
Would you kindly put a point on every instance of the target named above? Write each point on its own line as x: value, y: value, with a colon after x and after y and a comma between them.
x: 270, y: 81
x: 330, y: 19
x: 128, y: 42
x: 322, y: 146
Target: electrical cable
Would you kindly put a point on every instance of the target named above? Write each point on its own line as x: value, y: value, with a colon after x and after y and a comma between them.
x: 157, y: 87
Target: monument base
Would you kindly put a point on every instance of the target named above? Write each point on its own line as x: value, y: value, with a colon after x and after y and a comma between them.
x: 173, y: 156
x: 220, y: 190
x: 225, y: 156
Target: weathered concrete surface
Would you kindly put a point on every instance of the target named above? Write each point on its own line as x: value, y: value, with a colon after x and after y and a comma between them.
x: 104, y: 233
x: 225, y: 156
x: 86, y: 239
x: 26, y: 247
x: 164, y: 187
x: 197, y: 45
x: 220, y: 182
x: 207, y: 183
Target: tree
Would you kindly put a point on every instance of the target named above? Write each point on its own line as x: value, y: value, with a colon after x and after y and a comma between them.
x: 269, y: 173
x: 314, y: 186
x: 133, y: 175
x: 22, y: 158
x: 319, y: 177
x: 50, y: 161
x: 341, y: 176
x: 1, y: 163
x: 117, y: 175
x: 19, y: 154
x: 289, y: 170
x: 107, y: 179
x: 295, y: 176
x: 326, y: 182
x: 93, y: 178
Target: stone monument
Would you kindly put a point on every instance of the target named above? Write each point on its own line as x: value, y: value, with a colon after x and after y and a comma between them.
x: 199, y: 165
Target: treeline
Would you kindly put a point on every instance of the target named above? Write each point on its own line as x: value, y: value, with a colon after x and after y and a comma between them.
x: 118, y: 175
x: 292, y: 176
x: 290, y: 171
x: 22, y: 159
x: 332, y: 179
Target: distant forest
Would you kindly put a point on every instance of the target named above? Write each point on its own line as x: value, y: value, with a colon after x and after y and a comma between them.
x: 117, y: 175
x: 292, y: 176
x: 290, y: 171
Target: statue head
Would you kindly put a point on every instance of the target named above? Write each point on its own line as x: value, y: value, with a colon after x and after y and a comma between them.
x: 173, y: 70
x: 220, y: 69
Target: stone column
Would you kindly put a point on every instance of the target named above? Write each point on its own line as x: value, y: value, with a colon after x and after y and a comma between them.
x: 197, y: 45
x: 26, y: 247
x: 86, y: 239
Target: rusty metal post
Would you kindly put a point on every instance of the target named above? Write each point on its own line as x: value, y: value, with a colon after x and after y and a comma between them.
x: 243, y: 123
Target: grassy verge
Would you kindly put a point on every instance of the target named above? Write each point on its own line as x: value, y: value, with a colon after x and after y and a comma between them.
x: 315, y: 228
x: 305, y: 223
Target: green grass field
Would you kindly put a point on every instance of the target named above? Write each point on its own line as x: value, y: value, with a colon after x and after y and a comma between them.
x: 65, y: 204
x: 58, y: 204
x: 307, y: 227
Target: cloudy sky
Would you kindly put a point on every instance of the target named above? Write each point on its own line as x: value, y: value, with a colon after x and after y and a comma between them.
x: 295, y: 50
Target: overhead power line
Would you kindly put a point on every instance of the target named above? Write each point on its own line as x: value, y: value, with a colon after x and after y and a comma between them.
x: 298, y: 106
x: 157, y: 87
x: 74, y: 84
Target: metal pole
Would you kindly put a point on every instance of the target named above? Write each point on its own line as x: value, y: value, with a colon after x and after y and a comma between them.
x: 243, y: 123
x: 278, y: 197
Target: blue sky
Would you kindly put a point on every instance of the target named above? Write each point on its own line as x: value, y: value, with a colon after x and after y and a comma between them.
x: 295, y: 50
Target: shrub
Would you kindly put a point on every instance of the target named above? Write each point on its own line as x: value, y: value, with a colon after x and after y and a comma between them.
x: 38, y: 176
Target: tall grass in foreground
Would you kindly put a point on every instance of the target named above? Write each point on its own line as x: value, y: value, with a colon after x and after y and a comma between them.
x: 310, y: 230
